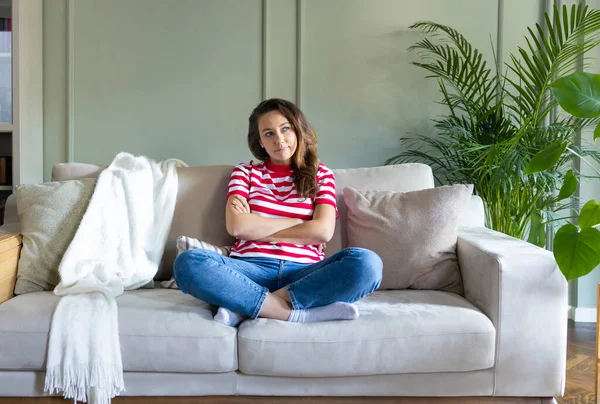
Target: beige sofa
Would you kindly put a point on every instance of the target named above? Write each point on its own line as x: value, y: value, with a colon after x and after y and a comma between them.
x: 505, y: 337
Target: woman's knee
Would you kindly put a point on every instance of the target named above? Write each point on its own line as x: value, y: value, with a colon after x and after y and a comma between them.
x: 368, y: 266
x: 183, y: 262
x: 191, y: 265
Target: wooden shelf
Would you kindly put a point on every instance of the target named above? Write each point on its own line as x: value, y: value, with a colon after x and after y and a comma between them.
x: 6, y: 187
x: 6, y: 127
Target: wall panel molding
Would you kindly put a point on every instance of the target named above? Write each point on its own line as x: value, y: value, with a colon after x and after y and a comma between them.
x: 280, y: 49
x: 300, y: 16
x: 71, y: 81
x: 500, y: 40
x: 266, y: 52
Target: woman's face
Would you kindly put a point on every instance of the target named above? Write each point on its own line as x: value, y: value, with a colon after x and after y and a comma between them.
x: 277, y: 137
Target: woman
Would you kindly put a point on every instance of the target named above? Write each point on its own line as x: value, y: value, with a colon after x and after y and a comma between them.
x: 282, y: 211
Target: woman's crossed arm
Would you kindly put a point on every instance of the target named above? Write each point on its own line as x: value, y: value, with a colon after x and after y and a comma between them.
x: 241, y: 223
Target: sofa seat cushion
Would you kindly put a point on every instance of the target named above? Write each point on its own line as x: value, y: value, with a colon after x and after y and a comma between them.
x: 161, y: 330
x: 398, y: 331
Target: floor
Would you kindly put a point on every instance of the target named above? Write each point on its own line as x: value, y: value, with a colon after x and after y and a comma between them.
x: 581, y: 363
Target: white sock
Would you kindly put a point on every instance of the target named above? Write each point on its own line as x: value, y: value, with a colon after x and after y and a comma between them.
x: 228, y: 317
x: 333, y: 311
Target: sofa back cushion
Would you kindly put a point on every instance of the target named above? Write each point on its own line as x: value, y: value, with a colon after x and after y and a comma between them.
x: 199, y: 212
x: 75, y: 171
x: 200, y: 208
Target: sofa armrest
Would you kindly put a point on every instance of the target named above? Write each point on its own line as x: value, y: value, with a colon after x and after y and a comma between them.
x: 10, y: 250
x: 520, y: 288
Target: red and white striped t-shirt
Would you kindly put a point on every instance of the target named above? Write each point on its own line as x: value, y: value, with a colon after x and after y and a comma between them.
x: 271, y: 192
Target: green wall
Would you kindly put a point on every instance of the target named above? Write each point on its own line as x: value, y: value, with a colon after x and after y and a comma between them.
x: 179, y: 79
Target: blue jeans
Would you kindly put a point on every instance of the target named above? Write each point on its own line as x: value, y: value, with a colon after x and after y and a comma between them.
x: 241, y: 284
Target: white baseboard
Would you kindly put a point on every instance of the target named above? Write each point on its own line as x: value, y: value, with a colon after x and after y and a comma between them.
x: 582, y: 314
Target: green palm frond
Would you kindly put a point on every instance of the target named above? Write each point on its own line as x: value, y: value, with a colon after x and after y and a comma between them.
x: 548, y: 55
x: 455, y: 61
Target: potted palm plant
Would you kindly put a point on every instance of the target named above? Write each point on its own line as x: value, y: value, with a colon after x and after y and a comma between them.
x: 500, y: 127
x: 576, y: 247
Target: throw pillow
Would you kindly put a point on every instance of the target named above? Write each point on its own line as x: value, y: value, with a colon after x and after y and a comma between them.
x: 415, y: 234
x: 188, y: 243
x: 50, y: 214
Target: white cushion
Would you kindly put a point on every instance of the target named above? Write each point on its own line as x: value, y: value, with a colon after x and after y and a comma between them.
x: 161, y: 330
x: 49, y: 214
x: 414, y: 233
x: 400, y: 331
x: 398, y: 178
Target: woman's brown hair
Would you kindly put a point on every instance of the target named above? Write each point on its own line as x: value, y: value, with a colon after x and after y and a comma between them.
x: 305, y: 163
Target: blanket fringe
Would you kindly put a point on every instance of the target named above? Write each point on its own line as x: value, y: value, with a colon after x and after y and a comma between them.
x: 103, y: 380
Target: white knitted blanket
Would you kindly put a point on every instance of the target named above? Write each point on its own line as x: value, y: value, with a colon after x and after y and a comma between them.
x: 117, y: 247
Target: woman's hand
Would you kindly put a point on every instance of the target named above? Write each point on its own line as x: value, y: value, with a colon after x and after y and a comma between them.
x: 317, y: 231
x: 322, y: 248
x: 240, y: 204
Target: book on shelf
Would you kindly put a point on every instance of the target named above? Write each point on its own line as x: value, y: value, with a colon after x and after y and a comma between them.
x: 5, y: 24
x: 5, y: 35
x: 5, y: 170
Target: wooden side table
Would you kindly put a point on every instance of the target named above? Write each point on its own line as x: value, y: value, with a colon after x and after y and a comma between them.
x: 10, y: 250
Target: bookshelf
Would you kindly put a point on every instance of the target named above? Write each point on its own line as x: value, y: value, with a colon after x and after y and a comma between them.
x: 6, y: 102
x: 21, y: 95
